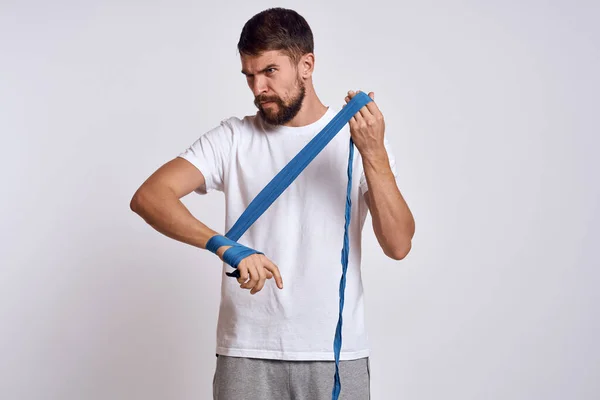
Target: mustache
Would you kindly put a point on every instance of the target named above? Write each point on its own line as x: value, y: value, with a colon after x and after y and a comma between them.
x: 261, y: 99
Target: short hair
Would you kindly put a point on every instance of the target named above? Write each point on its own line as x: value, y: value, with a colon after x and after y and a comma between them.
x: 276, y: 29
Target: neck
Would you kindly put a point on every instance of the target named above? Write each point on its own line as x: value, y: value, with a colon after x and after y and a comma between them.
x: 312, y: 110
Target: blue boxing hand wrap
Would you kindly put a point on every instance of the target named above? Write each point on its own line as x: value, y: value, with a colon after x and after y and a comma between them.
x: 232, y: 256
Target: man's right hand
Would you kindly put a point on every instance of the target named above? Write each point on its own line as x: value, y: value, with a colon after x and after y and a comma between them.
x: 254, y: 271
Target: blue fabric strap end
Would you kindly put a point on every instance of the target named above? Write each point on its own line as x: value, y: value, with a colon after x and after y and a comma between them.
x: 232, y: 256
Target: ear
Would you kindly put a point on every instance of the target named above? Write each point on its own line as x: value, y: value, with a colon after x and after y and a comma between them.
x: 306, y: 65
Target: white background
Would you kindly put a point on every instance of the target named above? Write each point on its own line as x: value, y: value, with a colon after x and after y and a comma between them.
x: 490, y: 110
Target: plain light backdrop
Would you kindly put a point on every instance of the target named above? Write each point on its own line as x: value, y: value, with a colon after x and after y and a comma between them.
x: 491, y: 110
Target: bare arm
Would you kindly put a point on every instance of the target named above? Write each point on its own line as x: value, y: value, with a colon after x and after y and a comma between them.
x: 158, y: 202
x: 393, y: 221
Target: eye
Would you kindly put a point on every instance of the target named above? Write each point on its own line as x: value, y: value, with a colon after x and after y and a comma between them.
x: 270, y: 71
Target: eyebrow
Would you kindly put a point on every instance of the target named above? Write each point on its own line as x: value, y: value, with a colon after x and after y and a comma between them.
x: 262, y: 70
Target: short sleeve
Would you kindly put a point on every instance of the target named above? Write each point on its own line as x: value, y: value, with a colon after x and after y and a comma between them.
x: 210, y: 154
x: 363, y: 180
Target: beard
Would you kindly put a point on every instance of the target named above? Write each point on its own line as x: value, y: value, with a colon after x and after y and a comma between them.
x: 281, y: 112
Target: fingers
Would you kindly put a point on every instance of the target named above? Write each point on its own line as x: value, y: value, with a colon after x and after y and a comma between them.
x: 372, y: 106
x: 362, y: 114
x: 353, y: 121
x: 274, y: 270
x: 254, y: 275
x: 255, y: 270
x: 368, y: 111
x: 243, y: 268
x: 262, y: 276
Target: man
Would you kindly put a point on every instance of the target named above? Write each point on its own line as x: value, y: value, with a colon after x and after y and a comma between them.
x: 279, y: 344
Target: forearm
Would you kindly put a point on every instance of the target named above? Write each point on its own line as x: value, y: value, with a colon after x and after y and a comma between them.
x: 392, y: 219
x: 162, y: 210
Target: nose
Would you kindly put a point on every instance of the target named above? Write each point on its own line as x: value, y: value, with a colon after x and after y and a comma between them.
x: 258, y: 85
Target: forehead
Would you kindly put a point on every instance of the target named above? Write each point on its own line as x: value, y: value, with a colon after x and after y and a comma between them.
x: 252, y: 64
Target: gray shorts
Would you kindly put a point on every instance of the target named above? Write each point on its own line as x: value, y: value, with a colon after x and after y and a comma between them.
x: 238, y: 378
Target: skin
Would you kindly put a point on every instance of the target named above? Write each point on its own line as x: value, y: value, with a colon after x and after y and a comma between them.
x: 273, y: 76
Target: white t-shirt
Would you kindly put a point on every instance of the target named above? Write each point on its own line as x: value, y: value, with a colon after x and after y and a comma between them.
x: 301, y: 232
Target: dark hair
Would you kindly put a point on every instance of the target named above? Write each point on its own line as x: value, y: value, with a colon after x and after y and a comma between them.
x: 276, y: 29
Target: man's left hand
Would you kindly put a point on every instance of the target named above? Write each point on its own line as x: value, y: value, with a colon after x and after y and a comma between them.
x: 367, y: 127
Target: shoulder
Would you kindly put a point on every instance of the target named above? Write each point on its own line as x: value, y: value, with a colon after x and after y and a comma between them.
x: 244, y: 123
x: 230, y: 128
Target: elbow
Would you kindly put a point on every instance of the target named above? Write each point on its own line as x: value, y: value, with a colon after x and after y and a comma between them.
x: 403, y: 247
x: 147, y: 198
x: 400, y: 252
x: 136, y: 203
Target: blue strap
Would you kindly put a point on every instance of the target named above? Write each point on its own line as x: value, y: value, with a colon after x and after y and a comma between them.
x: 234, y: 255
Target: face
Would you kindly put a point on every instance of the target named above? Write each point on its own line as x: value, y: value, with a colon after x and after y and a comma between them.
x: 276, y: 84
